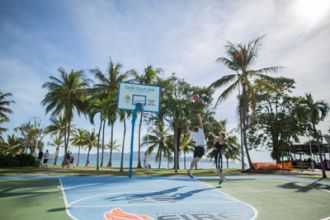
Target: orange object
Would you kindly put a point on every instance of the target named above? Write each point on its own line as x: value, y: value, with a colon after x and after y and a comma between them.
x: 272, y: 166
x: 119, y: 214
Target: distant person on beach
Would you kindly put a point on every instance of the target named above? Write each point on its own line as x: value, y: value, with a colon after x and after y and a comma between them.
x: 40, y: 156
x: 46, y: 158
x: 219, y: 142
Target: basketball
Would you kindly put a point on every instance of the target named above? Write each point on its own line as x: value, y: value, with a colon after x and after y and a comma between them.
x: 196, y: 98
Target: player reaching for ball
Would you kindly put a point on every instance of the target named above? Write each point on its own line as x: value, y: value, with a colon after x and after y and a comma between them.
x: 197, y: 135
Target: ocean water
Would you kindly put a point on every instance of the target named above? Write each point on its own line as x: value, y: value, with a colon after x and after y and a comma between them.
x: 202, y: 164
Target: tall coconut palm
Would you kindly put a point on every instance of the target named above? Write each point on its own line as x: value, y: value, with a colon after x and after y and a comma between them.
x: 148, y: 77
x: 123, y: 115
x: 108, y: 86
x: 101, y: 107
x: 56, y: 142
x: 4, y: 109
x: 240, y: 59
x: 314, y: 112
x: 91, y: 141
x: 157, y: 140
x: 66, y: 94
x: 79, y: 138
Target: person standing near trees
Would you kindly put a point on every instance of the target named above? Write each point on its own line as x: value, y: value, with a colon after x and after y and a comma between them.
x: 46, y: 158
x: 219, y: 142
x: 197, y: 135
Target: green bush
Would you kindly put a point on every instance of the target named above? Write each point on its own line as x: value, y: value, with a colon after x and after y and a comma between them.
x: 21, y: 160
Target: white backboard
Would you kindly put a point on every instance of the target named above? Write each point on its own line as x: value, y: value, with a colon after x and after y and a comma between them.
x: 129, y: 94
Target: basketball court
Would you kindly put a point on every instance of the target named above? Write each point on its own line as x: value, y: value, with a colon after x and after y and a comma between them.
x: 149, y: 198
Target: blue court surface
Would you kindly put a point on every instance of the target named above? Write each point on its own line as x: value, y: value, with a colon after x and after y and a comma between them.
x: 158, y: 198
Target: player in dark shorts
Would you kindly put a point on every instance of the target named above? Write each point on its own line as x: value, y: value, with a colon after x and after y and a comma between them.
x: 218, y: 144
x: 197, y: 135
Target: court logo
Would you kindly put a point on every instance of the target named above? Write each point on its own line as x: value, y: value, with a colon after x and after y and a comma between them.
x: 119, y: 214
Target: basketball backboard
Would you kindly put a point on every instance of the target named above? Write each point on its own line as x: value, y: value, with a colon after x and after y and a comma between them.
x: 130, y: 94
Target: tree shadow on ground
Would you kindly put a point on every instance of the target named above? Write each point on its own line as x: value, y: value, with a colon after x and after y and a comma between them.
x: 305, y: 188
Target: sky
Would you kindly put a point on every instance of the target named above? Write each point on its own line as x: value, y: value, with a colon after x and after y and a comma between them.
x: 183, y: 37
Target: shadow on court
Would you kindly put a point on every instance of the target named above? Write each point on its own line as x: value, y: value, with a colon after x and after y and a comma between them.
x: 305, y: 188
x: 162, y: 195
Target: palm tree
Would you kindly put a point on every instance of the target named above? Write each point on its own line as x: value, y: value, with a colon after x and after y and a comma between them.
x: 91, y: 141
x: 57, y: 130
x: 96, y: 105
x: 4, y: 109
x: 122, y: 116
x: 314, y: 112
x: 79, y: 138
x: 148, y: 77
x: 108, y: 86
x: 66, y: 94
x: 56, y: 142
x: 157, y: 140
x: 240, y: 59
x: 231, y: 149
x: 12, y: 146
x: 31, y: 136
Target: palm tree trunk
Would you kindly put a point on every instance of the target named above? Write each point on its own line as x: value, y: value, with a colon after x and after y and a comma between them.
x: 175, y: 147
x: 184, y: 159
x: 244, y: 127
x: 87, y: 160
x: 160, y: 157
x: 102, y: 154
x: 139, y: 165
x: 227, y: 162
x: 98, y: 146
x: 78, y: 156
x: 110, y: 158
x: 122, y: 148
x: 65, y: 143
x: 56, y: 155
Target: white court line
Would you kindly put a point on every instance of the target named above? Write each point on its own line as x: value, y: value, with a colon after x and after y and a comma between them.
x: 150, y: 204
x: 328, y: 191
x: 66, y: 201
x: 327, y: 218
x: 233, y: 198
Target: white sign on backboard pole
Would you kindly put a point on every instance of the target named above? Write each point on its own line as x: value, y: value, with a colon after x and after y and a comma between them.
x: 137, y: 97
x: 130, y: 94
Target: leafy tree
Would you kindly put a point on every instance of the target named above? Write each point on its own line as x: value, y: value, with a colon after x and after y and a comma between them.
x: 273, y: 123
x: 314, y: 112
x: 66, y: 94
x: 177, y: 107
x: 240, y: 59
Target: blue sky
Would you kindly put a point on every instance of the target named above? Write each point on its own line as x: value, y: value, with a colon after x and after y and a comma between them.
x: 185, y: 37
